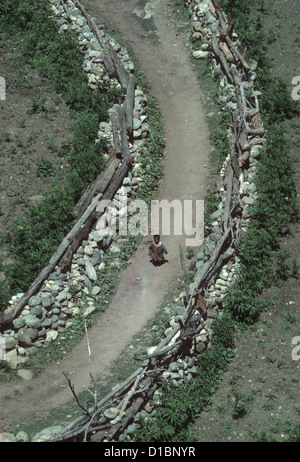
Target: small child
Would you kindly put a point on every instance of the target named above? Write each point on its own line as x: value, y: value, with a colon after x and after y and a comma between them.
x: 157, y: 250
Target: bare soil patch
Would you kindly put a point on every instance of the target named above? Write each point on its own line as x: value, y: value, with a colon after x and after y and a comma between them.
x: 34, y: 121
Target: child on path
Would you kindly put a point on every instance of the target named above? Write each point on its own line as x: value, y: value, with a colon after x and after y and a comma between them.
x: 157, y: 250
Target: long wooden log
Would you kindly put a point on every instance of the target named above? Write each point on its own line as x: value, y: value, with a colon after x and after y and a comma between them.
x: 82, y: 233
x: 115, y: 125
x: 233, y: 156
x: 127, y: 157
x: 207, y: 270
x: 40, y: 279
x: 129, y: 104
x: 226, y: 216
x: 122, y: 73
x: 219, y: 54
x: 98, y: 186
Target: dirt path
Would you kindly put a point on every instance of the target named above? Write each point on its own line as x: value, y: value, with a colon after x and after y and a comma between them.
x: 173, y: 83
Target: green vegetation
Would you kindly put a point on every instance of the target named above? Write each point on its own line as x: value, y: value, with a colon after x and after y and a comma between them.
x: 276, y: 205
x: 263, y: 262
x: 34, y: 237
x: 178, y: 407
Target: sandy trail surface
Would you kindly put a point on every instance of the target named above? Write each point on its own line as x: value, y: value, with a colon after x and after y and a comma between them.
x: 169, y: 73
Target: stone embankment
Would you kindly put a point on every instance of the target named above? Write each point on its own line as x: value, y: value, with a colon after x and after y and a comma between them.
x: 216, y: 263
x: 64, y: 295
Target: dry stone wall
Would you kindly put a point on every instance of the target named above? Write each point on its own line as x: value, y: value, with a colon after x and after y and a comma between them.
x: 217, y: 264
x: 63, y: 295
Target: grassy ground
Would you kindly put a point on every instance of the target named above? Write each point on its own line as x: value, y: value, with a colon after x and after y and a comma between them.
x: 258, y: 399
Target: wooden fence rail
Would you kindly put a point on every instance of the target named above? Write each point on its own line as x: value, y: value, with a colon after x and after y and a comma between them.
x: 134, y: 393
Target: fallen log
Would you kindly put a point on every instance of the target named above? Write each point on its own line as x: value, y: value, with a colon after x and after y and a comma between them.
x: 39, y: 280
x: 98, y: 186
x: 233, y: 156
x: 127, y: 157
x: 115, y: 125
x: 129, y: 104
x: 208, y: 269
x: 226, y: 35
x: 82, y: 233
x: 221, y: 57
x: 122, y: 73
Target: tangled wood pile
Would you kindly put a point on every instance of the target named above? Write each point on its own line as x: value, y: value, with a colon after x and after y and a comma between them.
x: 245, y: 131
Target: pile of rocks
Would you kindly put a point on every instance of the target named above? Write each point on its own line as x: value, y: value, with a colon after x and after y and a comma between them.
x: 205, y: 26
x: 53, y: 308
x: 94, y: 65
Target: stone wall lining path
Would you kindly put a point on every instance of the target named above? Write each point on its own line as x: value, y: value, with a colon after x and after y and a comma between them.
x: 143, y: 286
x: 217, y: 264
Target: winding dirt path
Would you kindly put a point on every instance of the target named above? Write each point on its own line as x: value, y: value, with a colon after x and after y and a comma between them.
x: 172, y: 81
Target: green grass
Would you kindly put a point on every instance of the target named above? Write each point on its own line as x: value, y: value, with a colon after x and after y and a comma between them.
x: 33, y: 238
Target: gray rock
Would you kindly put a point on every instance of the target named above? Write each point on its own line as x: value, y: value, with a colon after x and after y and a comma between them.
x: 7, y: 438
x: 88, y: 250
x: 34, y: 300
x: 62, y: 296
x: 200, y: 347
x: 136, y: 123
x: 91, y: 273
x: 33, y: 333
x: 57, y: 277
x: 200, y: 54
x: 37, y: 311
x: 180, y: 310
x: 96, y: 258
x: 200, y: 255
x: 19, y: 322
x: 10, y: 343
x: 47, y: 323
x: 51, y: 335
x: 89, y: 310
x: 24, y: 338
x: 215, y: 215
x: 25, y: 374
x: 32, y: 321
x: 50, y: 431
x: 96, y: 290
x: 47, y: 300
x: 111, y: 413
x: 199, y: 264
x: 22, y: 437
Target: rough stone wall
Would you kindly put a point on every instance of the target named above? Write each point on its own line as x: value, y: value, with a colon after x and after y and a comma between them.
x: 205, y: 26
x: 52, y: 308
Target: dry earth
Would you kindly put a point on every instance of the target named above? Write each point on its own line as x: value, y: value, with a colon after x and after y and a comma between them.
x: 263, y: 379
x: 166, y: 65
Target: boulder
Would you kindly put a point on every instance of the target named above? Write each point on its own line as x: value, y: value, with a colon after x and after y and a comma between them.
x: 51, y: 335
x: 7, y: 438
x: 12, y: 358
x: 24, y: 337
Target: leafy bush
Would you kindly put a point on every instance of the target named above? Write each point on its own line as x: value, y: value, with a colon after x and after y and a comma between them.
x: 44, y: 168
